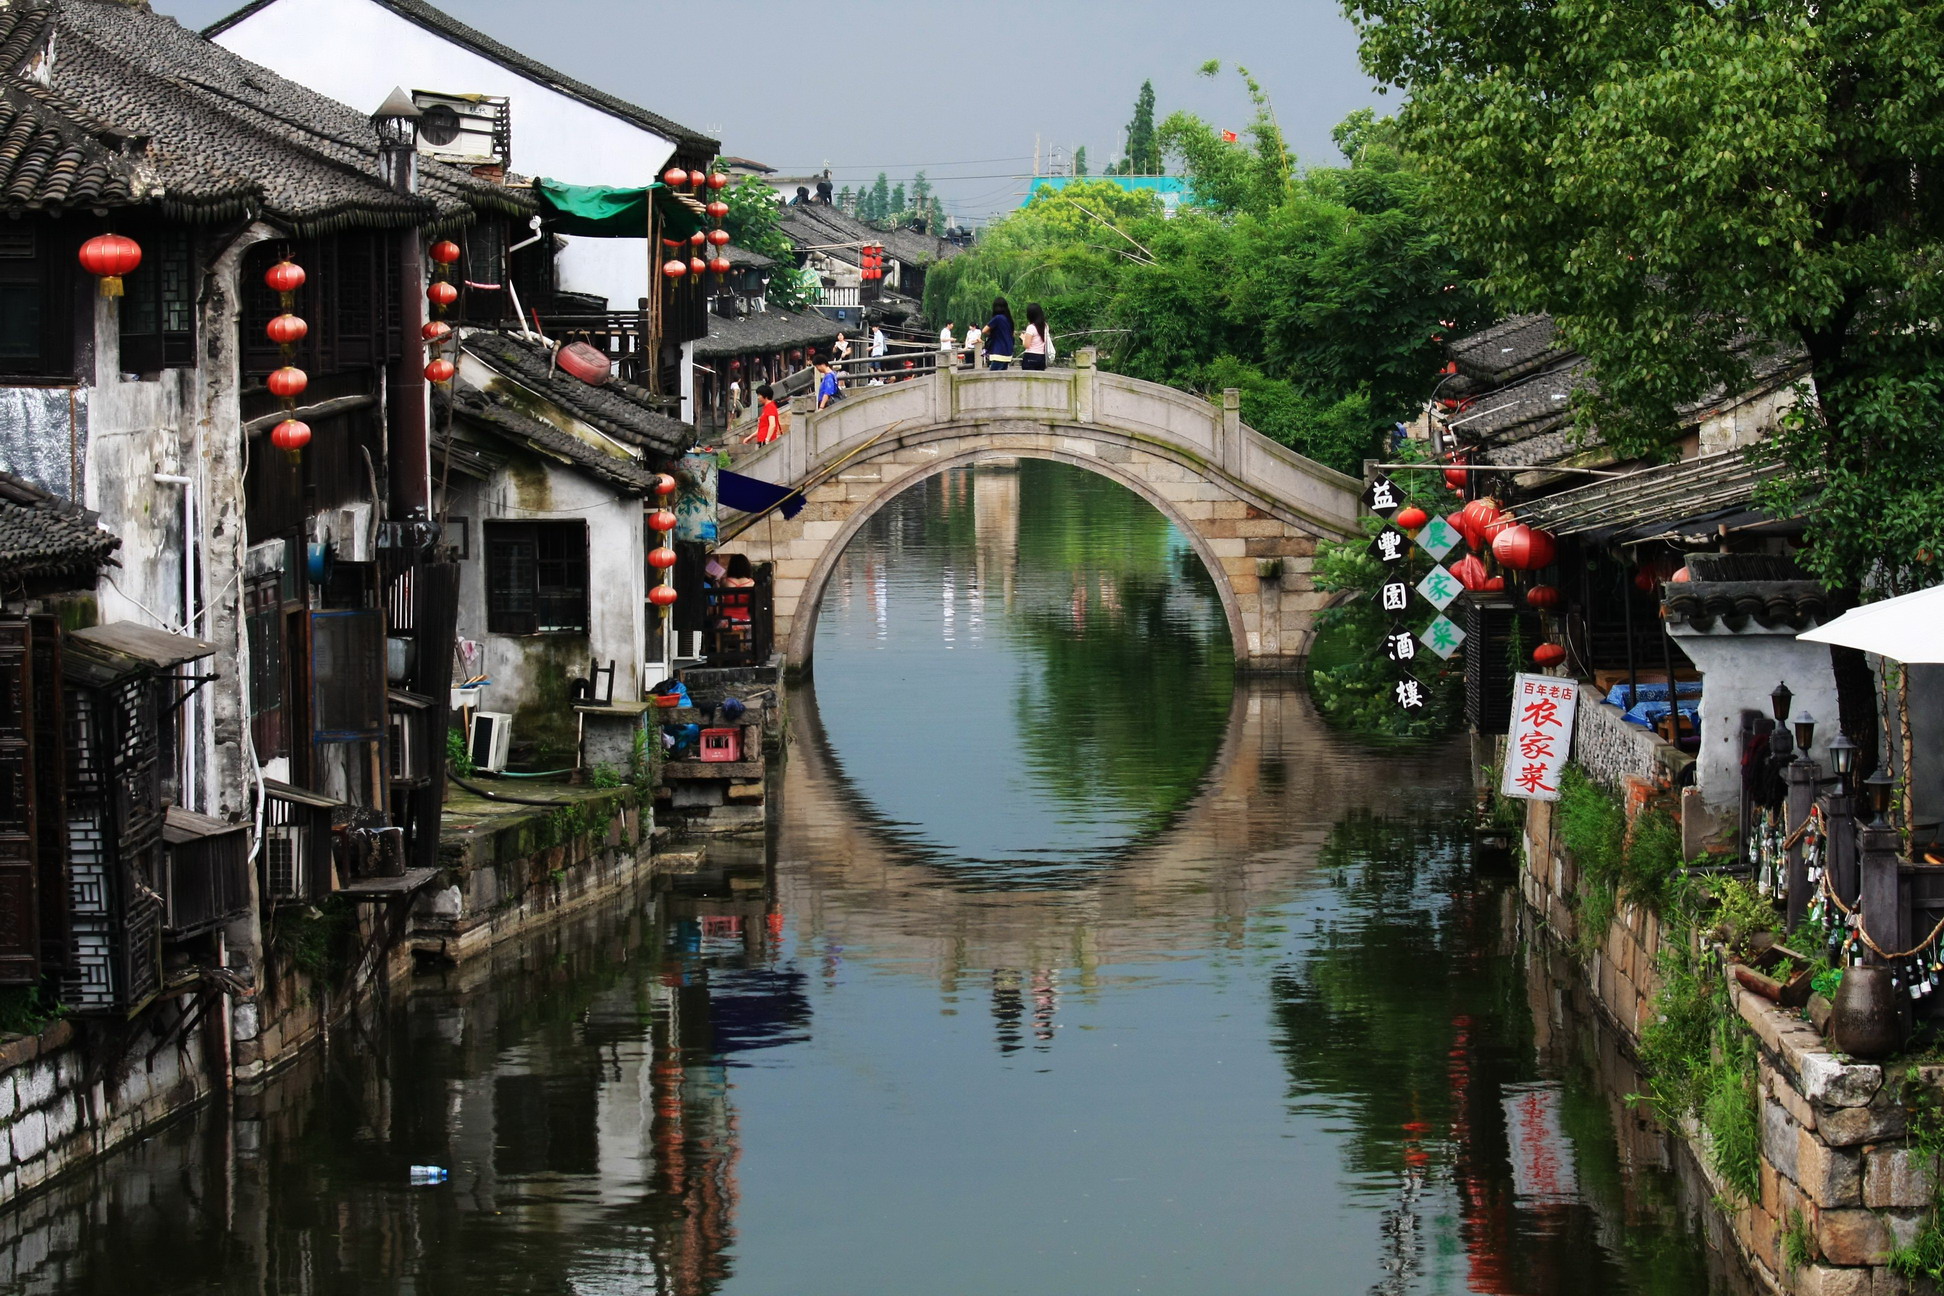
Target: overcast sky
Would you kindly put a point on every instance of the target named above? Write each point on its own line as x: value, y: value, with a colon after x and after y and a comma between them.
x: 958, y: 90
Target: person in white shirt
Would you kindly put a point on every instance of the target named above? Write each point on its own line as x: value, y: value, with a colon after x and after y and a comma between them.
x: 947, y: 345
x: 878, y: 347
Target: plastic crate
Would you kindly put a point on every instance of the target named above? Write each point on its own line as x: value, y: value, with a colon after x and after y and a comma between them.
x: 720, y: 745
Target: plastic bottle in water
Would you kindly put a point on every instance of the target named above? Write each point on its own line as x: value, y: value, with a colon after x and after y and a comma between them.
x: 429, y: 1174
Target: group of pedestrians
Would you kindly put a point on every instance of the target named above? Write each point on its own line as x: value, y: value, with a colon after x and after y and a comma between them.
x: 998, y: 339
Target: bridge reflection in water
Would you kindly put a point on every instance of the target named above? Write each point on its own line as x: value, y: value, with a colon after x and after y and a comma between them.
x: 1251, y: 1019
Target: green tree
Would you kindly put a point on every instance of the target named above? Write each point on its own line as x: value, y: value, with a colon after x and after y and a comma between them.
x: 846, y: 200
x: 896, y: 207
x: 877, y: 204
x: 1143, y: 144
x: 752, y: 223
x: 921, y: 194
x: 1685, y: 187
x: 1080, y: 161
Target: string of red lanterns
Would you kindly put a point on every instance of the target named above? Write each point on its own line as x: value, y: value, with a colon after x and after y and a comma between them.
x: 442, y: 292
x: 287, y: 382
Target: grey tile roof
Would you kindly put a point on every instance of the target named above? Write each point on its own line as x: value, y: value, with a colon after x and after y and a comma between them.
x: 768, y: 330
x: 1765, y: 605
x: 620, y: 409
x: 486, y: 412
x: 1690, y: 495
x: 156, y: 113
x: 443, y: 24
x: 1529, y: 408
x: 46, y: 540
x: 837, y: 233
x: 1509, y: 349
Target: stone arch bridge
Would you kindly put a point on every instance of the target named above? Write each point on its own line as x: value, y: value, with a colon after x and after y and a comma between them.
x: 1252, y: 509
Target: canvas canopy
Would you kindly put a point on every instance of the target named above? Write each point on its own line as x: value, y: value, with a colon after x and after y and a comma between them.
x: 601, y: 211
x: 1909, y: 629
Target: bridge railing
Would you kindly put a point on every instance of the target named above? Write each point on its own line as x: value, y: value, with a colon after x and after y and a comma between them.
x: 1192, y: 428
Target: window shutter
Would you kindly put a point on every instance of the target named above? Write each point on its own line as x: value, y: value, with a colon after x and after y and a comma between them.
x: 19, y: 849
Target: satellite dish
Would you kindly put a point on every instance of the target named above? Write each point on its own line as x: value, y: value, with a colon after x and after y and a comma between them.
x: 439, y: 125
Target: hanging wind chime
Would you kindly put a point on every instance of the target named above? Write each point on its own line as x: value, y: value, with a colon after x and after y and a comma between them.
x: 287, y: 382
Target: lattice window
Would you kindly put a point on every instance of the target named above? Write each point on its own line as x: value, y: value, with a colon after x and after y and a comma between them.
x: 536, y: 577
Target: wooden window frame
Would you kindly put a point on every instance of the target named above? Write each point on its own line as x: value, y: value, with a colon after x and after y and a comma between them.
x: 535, y: 572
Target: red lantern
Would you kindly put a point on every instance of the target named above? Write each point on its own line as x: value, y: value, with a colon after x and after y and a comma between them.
x: 290, y: 435
x: 284, y: 278
x: 1543, y: 597
x: 675, y: 177
x: 719, y: 237
x: 1475, y: 517
x: 287, y: 382
x: 1495, y: 585
x: 661, y: 520
x: 442, y: 293
x: 662, y: 595
x: 1456, y: 477
x: 697, y: 265
x: 445, y: 252
x: 718, y: 210
x: 440, y: 371
x: 286, y: 330
x: 674, y: 269
x: 698, y: 238
x: 1681, y: 577
x: 717, y: 180
x: 671, y: 243
x: 1548, y: 654
x: 665, y: 484
x: 1411, y: 517
x: 1523, y: 548
x: 721, y: 265
x: 1470, y: 572
x: 435, y: 331
x: 110, y: 256
x: 697, y: 179
x: 661, y: 559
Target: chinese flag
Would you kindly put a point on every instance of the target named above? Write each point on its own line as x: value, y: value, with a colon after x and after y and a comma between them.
x: 1230, y: 137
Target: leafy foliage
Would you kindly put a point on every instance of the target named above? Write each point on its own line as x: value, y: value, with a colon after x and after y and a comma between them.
x: 753, y: 223
x: 1690, y: 188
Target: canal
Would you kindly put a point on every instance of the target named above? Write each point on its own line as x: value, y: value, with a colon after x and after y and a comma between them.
x: 1074, y: 964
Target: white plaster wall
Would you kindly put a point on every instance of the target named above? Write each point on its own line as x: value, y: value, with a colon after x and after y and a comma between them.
x: 357, y: 52
x: 1738, y: 671
x: 1746, y: 423
x: 617, y: 588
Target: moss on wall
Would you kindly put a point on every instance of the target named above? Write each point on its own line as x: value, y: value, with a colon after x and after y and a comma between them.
x: 545, y: 726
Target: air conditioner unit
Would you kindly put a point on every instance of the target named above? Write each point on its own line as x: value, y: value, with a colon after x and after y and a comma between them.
x: 467, y: 129
x: 492, y: 732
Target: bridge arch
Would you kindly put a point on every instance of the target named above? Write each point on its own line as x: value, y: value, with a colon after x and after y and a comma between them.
x: 1252, y: 509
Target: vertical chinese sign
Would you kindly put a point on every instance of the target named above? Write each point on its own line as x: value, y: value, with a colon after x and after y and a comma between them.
x: 1541, y: 736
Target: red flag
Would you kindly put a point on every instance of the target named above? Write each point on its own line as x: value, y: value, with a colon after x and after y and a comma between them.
x: 1230, y: 137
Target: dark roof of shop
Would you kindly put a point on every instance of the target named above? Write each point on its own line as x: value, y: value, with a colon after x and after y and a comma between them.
x: 443, y: 24
x: 137, y: 109
x: 493, y: 413
x: 768, y: 330
x: 1738, y: 605
x: 1529, y: 408
x: 837, y: 233
x: 622, y: 410
x: 45, y: 538
x: 1692, y: 496
x: 1513, y: 347
x: 745, y: 258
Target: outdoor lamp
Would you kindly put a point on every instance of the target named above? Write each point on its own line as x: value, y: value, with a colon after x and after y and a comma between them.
x: 1842, y: 758
x: 397, y: 120
x: 1805, y: 733
x: 1880, y: 785
x: 1779, y: 701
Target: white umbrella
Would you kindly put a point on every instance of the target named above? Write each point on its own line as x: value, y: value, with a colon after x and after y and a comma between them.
x: 1909, y: 629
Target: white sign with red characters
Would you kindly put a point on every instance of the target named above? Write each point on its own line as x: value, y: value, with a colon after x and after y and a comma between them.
x: 1541, y: 736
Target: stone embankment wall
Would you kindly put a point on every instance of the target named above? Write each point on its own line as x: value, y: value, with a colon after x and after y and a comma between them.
x: 1840, y: 1184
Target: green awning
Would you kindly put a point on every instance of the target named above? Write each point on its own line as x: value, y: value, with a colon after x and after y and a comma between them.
x: 597, y: 211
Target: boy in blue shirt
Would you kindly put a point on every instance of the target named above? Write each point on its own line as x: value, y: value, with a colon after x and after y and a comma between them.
x: 826, y: 384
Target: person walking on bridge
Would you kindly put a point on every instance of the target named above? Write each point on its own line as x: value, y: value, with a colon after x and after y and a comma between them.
x: 826, y: 384
x: 769, y: 421
x: 998, y: 334
x: 1038, y: 340
x: 947, y: 344
x: 878, y: 346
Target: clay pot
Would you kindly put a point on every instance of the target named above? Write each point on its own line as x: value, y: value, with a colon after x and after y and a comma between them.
x: 1865, y: 1023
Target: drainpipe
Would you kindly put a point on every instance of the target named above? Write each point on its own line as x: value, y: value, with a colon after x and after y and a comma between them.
x: 396, y: 122
x: 191, y: 727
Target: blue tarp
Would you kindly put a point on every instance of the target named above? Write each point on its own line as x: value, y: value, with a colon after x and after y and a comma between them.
x: 1622, y: 696
x: 1649, y: 714
x: 748, y: 495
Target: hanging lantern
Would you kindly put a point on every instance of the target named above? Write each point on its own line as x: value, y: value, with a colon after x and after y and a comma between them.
x: 445, y: 252
x: 1548, y: 654
x: 675, y: 177
x: 440, y: 370
x: 1474, y: 518
x: 1411, y: 517
x: 1456, y: 477
x: 717, y: 180
x: 697, y: 179
x: 698, y: 238
x: 1495, y: 585
x: 718, y: 210
x: 662, y: 595
x: 284, y: 278
x: 720, y: 265
x: 664, y: 483
x: 661, y: 559
x: 1523, y: 548
x: 1681, y: 576
x: 286, y: 330
x: 436, y: 331
x: 661, y: 520
x: 674, y: 269
x: 697, y: 265
x: 290, y: 435
x: 287, y: 383
x: 442, y: 293
x: 719, y: 237
x: 110, y: 256
x: 1543, y: 597
x: 1470, y: 572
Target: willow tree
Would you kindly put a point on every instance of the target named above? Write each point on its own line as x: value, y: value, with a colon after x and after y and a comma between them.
x: 1672, y: 179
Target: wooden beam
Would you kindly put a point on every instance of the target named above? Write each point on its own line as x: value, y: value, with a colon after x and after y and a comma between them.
x: 322, y: 410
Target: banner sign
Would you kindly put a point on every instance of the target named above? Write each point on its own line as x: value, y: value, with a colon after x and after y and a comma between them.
x: 1541, y: 738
